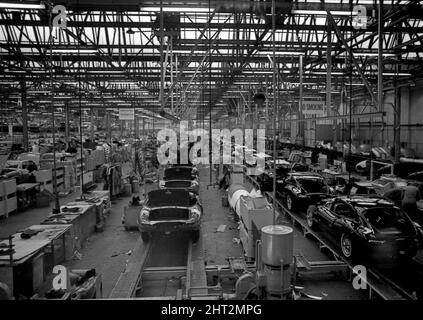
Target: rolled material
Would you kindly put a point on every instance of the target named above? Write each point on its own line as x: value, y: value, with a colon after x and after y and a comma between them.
x: 234, y: 194
x: 277, y: 245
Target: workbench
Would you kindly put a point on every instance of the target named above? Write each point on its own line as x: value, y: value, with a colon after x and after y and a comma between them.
x: 83, y: 218
x: 100, y: 199
x: 32, y: 258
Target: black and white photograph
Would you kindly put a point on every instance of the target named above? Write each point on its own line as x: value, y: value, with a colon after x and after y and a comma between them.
x: 241, y: 152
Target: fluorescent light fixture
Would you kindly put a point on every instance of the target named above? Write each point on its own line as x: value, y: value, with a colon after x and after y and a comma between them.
x: 176, y: 9
x: 74, y: 51
x: 39, y: 91
x: 325, y: 73
x: 399, y: 74
x: 372, y: 54
x: 122, y: 82
x: 258, y: 71
x: 189, y: 51
x: 105, y: 71
x: 354, y: 84
x: 8, y: 5
x: 323, y: 13
x: 15, y: 71
x: 280, y: 53
x: 246, y: 82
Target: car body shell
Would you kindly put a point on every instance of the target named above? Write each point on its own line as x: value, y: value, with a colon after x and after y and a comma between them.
x: 166, y: 223
x: 342, y: 216
x: 292, y: 187
x: 186, y: 182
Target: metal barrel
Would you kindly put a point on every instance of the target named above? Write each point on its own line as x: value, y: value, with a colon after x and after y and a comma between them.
x: 277, y: 245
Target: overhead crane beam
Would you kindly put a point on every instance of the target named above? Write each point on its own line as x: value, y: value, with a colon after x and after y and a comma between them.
x: 340, y: 117
x: 187, y: 62
x: 350, y: 53
x: 393, y: 13
x: 199, y: 25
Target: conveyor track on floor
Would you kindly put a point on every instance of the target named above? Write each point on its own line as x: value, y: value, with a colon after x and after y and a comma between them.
x: 167, y: 267
x: 377, y: 282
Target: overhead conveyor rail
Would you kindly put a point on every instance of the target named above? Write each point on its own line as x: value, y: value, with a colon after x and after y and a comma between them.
x: 377, y: 283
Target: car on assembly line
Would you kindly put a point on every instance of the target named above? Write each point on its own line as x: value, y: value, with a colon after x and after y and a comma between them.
x: 180, y: 178
x: 188, y: 165
x: 283, y: 168
x: 367, y: 226
x: 170, y: 210
x: 301, y: 189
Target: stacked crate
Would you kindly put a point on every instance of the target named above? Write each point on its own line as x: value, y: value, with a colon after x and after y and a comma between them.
x: 99, y: 157
x: 69, y: 175
x: 8, y: 199
x: 45, y: 179
x: 60, y: 178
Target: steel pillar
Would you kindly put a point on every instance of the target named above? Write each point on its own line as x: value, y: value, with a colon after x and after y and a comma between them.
x: 24, y: 115
x: 300, y: 134
x: 67, y: 120
x: 92, y: 124
x: 380, y: 57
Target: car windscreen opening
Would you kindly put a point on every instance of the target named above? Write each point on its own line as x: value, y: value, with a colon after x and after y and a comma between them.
x: 168, y: 197
x: 313, y: 185
x: 183, y: 173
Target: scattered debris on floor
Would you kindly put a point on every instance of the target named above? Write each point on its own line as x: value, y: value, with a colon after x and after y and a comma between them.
x: 77, y: 255
x: 221, y: 228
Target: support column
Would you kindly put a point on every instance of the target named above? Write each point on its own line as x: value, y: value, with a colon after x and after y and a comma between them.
x: 380, y: 57
x: 300, y: 134
x: 92, y: 124
x: 108, y: 127
x: 329, y: 83
x: 397, y: 108
x: 136, y: 125
x: 67, y: 121
x: 143, y: 126
x: 24, y: 115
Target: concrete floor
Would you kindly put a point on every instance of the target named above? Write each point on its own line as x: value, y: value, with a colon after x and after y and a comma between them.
x: 108, y: 251
x: 218, y: 246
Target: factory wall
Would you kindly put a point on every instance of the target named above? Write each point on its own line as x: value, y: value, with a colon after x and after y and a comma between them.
x: 411, y: 121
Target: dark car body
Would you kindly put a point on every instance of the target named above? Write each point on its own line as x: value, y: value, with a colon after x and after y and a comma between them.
x: 360, y: 188
x: 265, y: 180
x: 168, y: 211
x: 180, y: 178
x: 301, y: 189
x: 369, y: 226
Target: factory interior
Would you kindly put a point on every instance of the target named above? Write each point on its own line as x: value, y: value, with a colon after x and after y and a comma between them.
x: 289, y: 128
